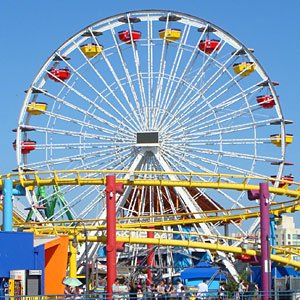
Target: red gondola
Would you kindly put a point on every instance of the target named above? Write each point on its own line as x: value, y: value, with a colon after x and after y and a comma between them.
x: 26, y: 146
x: 208, y: 46
x: 244, y: 257
x: 266, y: 101
x: 288, y: 178
x: 59, y: 74
x: 124, y: 36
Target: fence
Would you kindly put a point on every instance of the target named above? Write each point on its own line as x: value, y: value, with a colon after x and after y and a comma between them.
x: 273, y: 295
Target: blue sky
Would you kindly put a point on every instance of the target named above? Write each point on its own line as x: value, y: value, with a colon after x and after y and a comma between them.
x: 32, y: 30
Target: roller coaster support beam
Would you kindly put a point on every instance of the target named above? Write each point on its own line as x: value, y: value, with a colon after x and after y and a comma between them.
x: 112, y: 188
x: 150, y: 257
x: 264, y: 201
x: 72, y: 260
x: 273, y: 232
x: 8, y: 193
x: 263, y: 196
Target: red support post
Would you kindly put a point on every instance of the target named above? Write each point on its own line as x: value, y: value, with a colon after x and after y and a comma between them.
x: 150, y: 257
x: 111, y: 233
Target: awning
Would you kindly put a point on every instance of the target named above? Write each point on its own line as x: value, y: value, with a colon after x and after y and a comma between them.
x: 202, y: 273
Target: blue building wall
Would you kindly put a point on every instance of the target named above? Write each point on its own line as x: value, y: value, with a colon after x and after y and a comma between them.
x: 17, y: 253
x: 39, y: 263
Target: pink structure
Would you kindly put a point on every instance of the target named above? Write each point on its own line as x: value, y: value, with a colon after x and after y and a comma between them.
x: 150, y: 257
x: 112, y: 188
x: 263, y: 196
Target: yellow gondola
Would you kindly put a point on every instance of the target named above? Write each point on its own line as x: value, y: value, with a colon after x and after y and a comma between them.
x: 171, y: 35
x: 36, y: 108
x: 91, y: 50
x: 244, y: 68
x: 276, y: 139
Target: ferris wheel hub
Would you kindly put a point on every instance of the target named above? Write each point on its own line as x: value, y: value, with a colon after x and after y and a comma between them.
x: 146, y: 139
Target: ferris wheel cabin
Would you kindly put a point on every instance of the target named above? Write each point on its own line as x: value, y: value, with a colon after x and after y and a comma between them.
x: 128, y: 36
x: 266, y: 101
x: 26, y: 146
x: 59, y: 74
x: 209, y: 46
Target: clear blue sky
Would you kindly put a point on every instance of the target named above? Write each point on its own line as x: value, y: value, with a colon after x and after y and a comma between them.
x: 31, y: 30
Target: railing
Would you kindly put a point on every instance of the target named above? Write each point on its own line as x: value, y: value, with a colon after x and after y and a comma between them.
x: 250, y: 295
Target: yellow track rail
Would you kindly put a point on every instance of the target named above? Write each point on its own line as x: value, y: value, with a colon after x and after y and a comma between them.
x: 97, y: 177
x: 276, y: 208
x: 92, y: 177
x: 88, y: 177
x: 190, y: 244
x: 178, y: 219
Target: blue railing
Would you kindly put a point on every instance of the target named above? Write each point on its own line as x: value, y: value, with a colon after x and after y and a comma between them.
x: 274, y: 295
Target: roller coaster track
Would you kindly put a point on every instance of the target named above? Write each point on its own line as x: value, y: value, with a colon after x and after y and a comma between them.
x: 276, y: 208
x: 213, y: 247
x: 95, y: 177
x: 80, y: 177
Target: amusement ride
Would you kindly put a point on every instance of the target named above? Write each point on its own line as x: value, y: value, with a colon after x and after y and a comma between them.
x: 183, y: 114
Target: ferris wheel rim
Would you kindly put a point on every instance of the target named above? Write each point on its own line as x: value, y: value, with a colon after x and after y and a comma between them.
x: 50, y: 59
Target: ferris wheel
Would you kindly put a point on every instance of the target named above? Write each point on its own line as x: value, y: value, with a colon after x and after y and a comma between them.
x: 151, y: 91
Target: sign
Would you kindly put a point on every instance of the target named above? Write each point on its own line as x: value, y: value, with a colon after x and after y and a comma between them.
x: 35, y: 272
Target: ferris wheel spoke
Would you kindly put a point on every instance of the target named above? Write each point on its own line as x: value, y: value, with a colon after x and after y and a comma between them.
x: 128, y: 76
x: 228, y: 129
x: 93, y: 206
x: 168, y: 99
x: 150, y: 69
x: 76, y: 201
x: 137, y: 126
x: 235, y: 201
x: 202, y: 131
x: 162, y: 96
x: 102, y: 158
x: 112, y: 107
x: 70, y: 134
x: 83, y: 124
x: 78, y: 145
x: 229, y: 141
x: 191, y: 161
x: 138, y: 72
x: 160, y: 78
x: 175, y: 155
x: 225, y: 87
x: 224, y: 117
x: 238, y: 158
x: 204, y: 103
x: 196, y: 80
x: 176, y: 95
x: 233, y: 100
x: 76, y: 108
x: 72, y: 159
